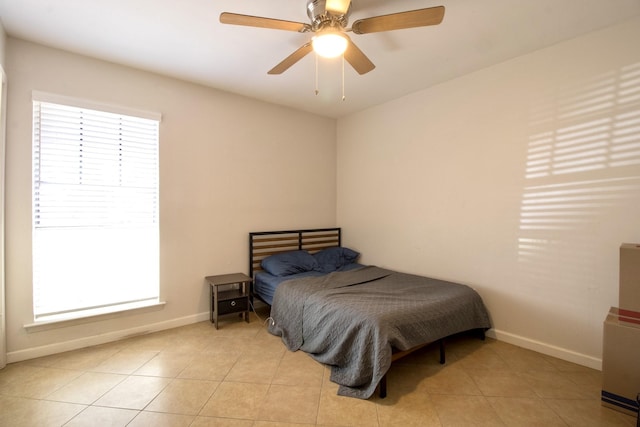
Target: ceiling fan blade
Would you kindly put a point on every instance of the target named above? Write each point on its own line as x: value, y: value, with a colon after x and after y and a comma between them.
x: 398, y: 21
x: 257, y: 21
x: 340, y: 7
x: 291, y: 59
x: 357, y: 58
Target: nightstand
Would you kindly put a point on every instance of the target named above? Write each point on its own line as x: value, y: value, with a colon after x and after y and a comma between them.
x: 229, y: 301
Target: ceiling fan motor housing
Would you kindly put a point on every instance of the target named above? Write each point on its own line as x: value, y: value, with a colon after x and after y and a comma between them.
x: 322, y: 18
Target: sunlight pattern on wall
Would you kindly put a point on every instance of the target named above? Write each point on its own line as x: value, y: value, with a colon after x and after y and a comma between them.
x: 593, y: 126
x: 582, y: 172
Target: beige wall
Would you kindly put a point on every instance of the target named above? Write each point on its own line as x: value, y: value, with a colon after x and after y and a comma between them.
x: 229, y: 165
x: 3, y: 354
x: 444, y: 183
x: 3, y: 42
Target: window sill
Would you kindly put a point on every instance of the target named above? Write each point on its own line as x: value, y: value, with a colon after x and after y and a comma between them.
x: 55, y: 322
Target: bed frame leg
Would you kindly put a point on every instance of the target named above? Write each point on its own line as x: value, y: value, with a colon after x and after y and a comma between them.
x: 383, y: 386
x: 442, y: 358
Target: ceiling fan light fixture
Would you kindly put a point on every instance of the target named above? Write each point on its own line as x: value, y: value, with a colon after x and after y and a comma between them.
x: 329, y: 44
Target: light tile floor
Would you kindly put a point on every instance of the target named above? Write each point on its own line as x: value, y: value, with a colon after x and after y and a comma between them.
x: 240, y: 375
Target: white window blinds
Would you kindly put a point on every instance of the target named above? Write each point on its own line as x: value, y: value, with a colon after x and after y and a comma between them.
x: 95, y: 209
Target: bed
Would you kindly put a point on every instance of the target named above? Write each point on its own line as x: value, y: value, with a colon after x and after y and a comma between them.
x: 356, y: 318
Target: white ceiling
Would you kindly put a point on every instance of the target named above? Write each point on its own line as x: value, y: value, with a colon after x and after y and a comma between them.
x: 184, y: 39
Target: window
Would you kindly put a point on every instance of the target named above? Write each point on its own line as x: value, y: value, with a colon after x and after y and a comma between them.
x: 95, y: 210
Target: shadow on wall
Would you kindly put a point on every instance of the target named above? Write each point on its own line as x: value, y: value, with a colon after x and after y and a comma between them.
x: 582, y: 177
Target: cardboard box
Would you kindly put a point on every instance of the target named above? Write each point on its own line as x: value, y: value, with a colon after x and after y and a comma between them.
x: 621, y: 361
x: 629, y: 292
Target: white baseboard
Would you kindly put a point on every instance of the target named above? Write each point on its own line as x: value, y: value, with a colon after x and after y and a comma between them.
x: 59, y: 347
x: 548, y: 349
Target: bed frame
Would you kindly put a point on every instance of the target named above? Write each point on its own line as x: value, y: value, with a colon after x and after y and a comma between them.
x: 265, y: 243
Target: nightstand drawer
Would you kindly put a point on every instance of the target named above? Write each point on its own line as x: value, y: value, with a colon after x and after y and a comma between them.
x: 236, y: 305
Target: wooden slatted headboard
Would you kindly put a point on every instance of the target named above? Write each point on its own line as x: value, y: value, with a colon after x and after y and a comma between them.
x: 265, y: 243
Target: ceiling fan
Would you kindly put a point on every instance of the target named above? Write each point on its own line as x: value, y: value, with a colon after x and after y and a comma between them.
x: 329, y: 20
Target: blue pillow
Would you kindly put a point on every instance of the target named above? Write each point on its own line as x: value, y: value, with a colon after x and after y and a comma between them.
x: 331, y: 259
x: 287, y: 263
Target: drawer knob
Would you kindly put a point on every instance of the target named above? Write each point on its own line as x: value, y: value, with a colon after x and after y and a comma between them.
x: 233, y: 303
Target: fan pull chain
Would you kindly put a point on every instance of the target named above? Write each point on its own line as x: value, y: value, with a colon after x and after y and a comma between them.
x: 317, y: 91
x: 343, y: 97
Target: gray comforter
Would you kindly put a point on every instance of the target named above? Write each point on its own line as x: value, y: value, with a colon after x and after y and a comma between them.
x: 352, y: 320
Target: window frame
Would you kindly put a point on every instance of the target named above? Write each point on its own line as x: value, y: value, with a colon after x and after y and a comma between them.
x: 111, y: 309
